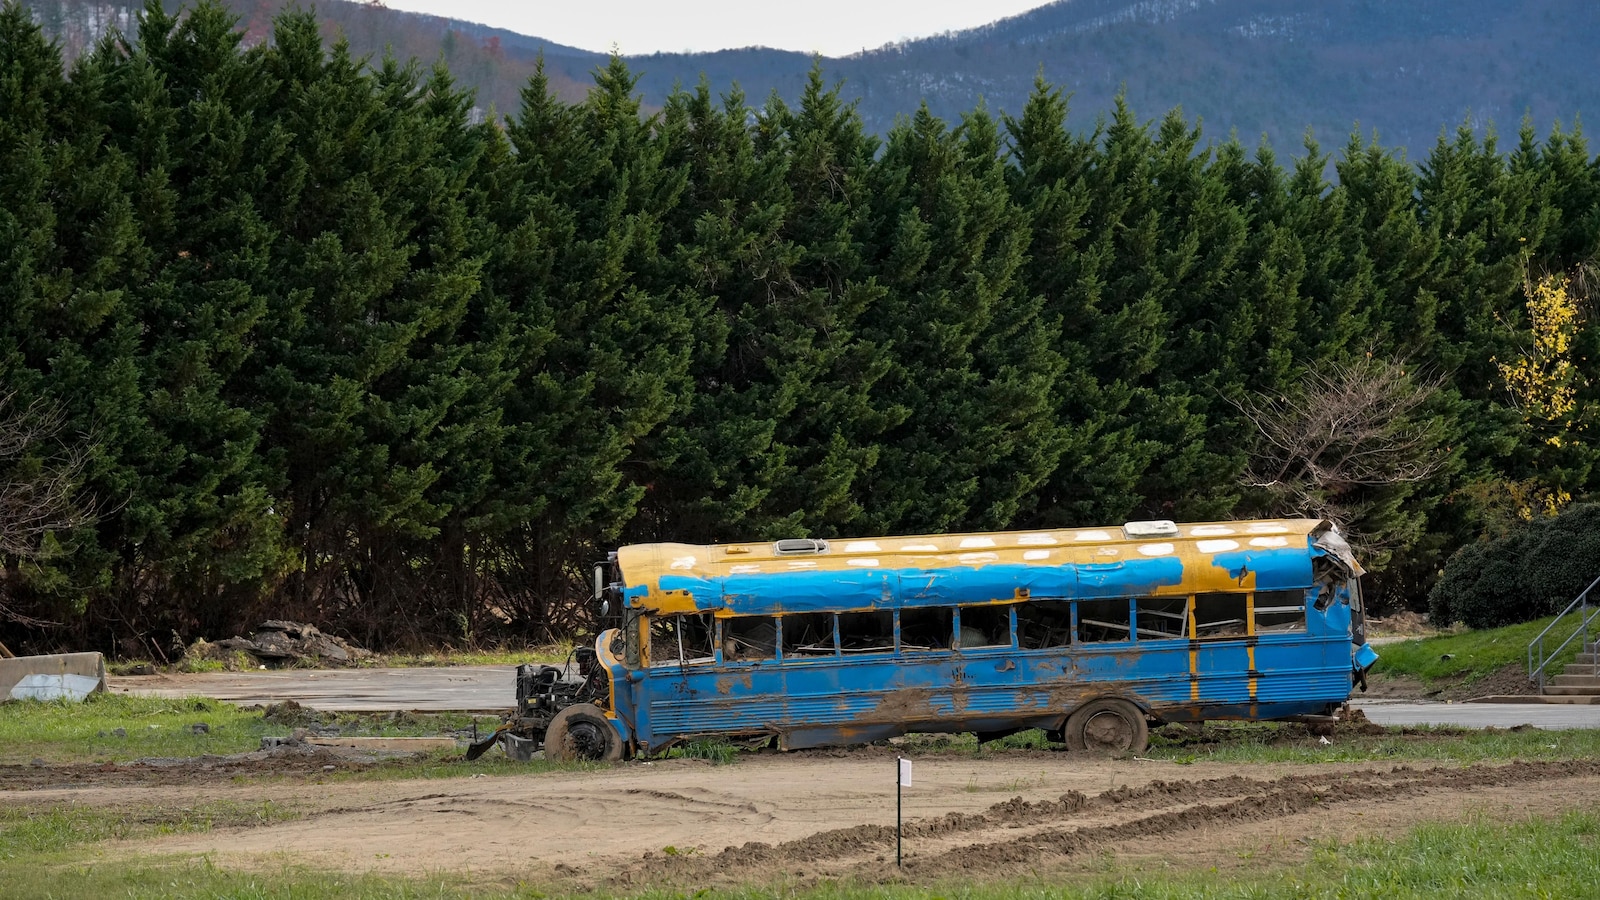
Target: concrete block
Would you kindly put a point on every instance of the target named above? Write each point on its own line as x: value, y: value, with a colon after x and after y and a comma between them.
x: 72, y: 676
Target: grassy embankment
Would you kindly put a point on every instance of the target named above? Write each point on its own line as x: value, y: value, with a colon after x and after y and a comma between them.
x: 1466, y: 657
x: 56, y: 855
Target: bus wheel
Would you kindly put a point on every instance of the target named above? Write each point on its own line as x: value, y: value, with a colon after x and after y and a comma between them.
x: 1107, y: 726
x: 581, y: 732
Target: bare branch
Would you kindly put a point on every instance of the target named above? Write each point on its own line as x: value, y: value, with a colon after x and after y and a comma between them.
x: 1347, y: 430
x: 41, y: 472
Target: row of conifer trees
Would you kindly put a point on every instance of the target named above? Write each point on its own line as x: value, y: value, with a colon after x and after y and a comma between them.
x: 337, y: 346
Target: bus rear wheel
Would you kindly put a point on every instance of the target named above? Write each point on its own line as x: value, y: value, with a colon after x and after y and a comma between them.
x: 581, y: 732
x: 1107, y: 725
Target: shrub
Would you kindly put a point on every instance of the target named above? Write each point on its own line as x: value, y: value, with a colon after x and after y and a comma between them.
x: 1534, y: 570
x: 1567, y: 557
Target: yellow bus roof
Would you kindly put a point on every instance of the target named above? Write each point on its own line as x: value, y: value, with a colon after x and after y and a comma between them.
x: 646, y: 564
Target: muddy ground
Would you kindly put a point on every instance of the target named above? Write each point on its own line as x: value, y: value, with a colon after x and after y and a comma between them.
x: 798, y: 818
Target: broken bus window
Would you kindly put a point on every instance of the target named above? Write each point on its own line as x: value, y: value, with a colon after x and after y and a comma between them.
x: 985, y: 626
x: 924, y: 628
x: 866, y: 632
x: 808, y: 634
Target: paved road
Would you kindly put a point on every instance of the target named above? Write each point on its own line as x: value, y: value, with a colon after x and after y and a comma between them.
x: 1481, y: 715
x: 493, y: 688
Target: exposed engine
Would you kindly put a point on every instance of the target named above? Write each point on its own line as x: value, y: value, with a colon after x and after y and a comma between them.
x: 542, y: 692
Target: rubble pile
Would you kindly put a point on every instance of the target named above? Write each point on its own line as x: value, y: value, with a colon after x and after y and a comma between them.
x: 278, y: 643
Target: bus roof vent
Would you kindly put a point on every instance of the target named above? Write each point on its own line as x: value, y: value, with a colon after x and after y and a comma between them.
x: 1151, y: 528
x: 799, y: 546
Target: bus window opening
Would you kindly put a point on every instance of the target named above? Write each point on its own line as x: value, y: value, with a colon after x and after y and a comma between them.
x: 808, y: 634
x: 1044, y: 623
x: 1221, y: 615
x: 926, y: 629
x: 1103, y: 620
x: 866, y: 632
x: 985, y: 626
x: 1162, y: 618
x: 1280, y: 611
x: 682, y: 640
x: 748, y: 638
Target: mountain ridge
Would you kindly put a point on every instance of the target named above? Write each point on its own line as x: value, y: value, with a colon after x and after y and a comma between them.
x: 1407, y: 69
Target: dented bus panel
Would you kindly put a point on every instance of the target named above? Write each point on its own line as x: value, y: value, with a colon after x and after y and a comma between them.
x: 1092, y: 634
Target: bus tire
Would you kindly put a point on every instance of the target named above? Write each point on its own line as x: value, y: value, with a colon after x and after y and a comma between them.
x: 1107, y: 725
x: 581, y: 732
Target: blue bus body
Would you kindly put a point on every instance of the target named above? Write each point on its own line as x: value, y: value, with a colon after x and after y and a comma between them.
x: 913, y: 635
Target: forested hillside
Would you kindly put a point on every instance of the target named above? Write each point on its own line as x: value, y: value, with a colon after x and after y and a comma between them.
x: 301, y: 338
x: 1404, y: 68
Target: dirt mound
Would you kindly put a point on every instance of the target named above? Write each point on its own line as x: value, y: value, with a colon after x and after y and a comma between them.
x: 278, y: 643
x: 1354, y: 721
x: 301, y: 761
x: 1511, y: 678
x: 291, y: 714
x: 1078, y: 825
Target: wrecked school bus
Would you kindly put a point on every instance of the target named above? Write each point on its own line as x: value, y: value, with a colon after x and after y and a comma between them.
x: 1092, y: 634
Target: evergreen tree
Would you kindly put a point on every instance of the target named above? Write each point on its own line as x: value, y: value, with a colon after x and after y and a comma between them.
x: 67, y: 335
x: 1096, y: 479
x: 973, y: 358
x: 603, y: 353
x: 832, y: 436
x: 718, y: 457
x: 200, y: 527
x: 372, y: 276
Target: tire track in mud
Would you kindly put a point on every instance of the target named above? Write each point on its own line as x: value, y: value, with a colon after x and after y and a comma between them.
x: 1078, y: 824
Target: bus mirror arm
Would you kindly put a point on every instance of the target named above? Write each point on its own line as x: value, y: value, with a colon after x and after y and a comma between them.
x: 1365, y: 657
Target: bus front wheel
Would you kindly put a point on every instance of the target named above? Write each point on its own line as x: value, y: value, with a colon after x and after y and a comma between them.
x: 581, y: 732
x: 1107, y: 725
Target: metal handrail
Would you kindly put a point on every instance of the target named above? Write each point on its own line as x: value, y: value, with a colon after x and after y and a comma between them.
x: 1587, y: 616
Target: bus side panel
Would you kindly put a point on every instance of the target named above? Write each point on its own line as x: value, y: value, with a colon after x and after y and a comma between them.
x: 842, y: 701
x: 1303, y: 668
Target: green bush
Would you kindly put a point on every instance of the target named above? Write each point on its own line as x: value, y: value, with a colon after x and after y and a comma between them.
x: 1535, y: 570
x: 1567, y: 558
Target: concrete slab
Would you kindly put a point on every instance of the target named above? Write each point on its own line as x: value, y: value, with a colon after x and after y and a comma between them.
x: 458, y: 688
x: 72, y: 676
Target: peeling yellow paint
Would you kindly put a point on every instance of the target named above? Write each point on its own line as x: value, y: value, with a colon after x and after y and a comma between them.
x: 646, y: 564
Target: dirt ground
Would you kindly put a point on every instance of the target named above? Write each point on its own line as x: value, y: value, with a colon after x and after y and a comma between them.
x: 798, y: 818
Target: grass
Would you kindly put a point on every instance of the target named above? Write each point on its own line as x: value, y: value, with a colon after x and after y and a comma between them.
x: 550, y: 654
x: 1271, y: 742
x: 26, y: 830
x: 1282, y: 743
x: 61, y: 732
x: 717, y: 752
x: 1467, y: 656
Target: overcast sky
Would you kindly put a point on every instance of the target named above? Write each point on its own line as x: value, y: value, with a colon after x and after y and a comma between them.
x: 831, y: 27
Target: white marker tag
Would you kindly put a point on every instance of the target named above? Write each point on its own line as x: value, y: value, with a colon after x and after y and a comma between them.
x: 905, y: 772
